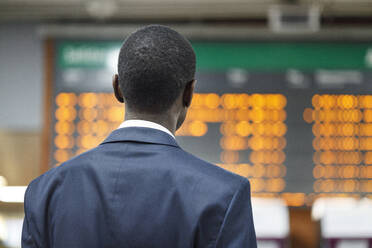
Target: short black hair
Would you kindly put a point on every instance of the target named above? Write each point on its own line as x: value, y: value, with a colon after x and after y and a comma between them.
x: 155, y: 64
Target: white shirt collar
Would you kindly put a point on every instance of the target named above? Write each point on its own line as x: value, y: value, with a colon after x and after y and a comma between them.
x: 143, y: 123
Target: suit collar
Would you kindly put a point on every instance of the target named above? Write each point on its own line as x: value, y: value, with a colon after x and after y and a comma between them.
x: 141, y: 134
x: 144, y: 123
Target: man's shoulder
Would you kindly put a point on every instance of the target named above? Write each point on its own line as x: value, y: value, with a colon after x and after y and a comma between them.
x: 209, y: 172
x: 55, y: 176
x: 185, y: 166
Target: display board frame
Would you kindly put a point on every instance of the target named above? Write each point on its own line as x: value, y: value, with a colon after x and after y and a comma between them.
x: 49, y: 75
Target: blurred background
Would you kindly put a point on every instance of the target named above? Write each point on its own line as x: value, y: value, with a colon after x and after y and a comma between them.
x: 284, y: 98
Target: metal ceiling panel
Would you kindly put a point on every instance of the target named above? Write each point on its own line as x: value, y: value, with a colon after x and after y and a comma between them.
x: 164, y: 9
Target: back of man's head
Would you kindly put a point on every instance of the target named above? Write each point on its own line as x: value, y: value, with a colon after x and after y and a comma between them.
x: 155, y: 64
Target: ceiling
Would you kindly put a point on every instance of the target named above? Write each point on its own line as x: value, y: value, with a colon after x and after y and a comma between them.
x: 55, y: 10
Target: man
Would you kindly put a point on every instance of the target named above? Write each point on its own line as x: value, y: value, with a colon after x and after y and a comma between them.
x: 138, y: 188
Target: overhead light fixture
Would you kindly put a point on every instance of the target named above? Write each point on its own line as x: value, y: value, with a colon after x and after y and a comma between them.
x: 101, y: 9
x: 294, y: 18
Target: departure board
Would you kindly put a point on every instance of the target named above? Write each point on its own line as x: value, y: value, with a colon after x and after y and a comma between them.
x: 295, y: 118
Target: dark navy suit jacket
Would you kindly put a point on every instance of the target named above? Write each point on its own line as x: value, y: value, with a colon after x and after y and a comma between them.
x: 138, y: 189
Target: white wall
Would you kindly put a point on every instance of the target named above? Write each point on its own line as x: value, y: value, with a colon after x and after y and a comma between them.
x: 21, y: 77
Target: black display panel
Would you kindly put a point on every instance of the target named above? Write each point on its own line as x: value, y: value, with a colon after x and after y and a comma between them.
x: 294, y: 118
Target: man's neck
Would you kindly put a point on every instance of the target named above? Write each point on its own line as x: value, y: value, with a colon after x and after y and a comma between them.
x: 162, y: 119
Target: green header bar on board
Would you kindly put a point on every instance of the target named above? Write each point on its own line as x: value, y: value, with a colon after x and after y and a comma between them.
x: 259, y: 56
x: 87, y: 54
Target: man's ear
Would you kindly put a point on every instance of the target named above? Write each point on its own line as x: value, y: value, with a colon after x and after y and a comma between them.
x: 117, y: 91
x: 188, y: 93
